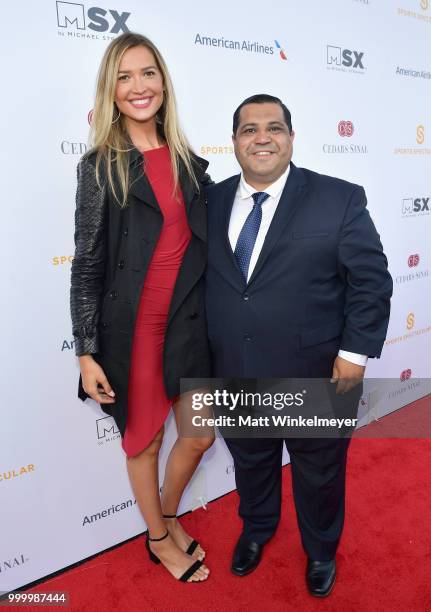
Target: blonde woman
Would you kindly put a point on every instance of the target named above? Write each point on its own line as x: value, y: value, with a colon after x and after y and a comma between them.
x: 137, y: 300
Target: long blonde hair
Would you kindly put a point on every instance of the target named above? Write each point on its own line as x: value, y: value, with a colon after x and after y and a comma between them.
x: 109, y: 137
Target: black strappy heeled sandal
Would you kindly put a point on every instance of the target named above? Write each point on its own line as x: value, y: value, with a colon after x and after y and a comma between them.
x: 155, y: 559
x: 193, y: 545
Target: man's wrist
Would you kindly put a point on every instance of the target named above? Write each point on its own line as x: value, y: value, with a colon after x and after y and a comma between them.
x: 356, y: 358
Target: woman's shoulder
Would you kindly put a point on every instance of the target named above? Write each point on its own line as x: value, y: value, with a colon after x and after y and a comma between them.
x: 90, y: 157
x: 93, y: 163
x: 199, y: 162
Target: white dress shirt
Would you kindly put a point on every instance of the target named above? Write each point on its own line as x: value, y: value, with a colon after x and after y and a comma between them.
x: 242, y: 207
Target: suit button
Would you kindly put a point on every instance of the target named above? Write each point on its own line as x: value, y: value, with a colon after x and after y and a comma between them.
x: 126, y: 231
x: 194, y: 315
x: 248, y: 338
x: 104, y: 325
x: 121, y: 264
x: 245, y: 297
x: 113, y: 295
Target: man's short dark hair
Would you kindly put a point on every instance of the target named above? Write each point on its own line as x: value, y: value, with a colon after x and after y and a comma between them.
x: 262, y: 99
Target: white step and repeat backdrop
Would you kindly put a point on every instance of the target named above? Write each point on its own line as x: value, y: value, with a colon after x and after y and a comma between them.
x: 356, y: 75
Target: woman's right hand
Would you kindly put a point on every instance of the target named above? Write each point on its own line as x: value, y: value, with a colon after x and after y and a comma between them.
x: 92, y: 377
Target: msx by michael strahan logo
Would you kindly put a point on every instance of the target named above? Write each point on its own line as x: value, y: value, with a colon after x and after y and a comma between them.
x: 344, y: 60
x: 80, y: 21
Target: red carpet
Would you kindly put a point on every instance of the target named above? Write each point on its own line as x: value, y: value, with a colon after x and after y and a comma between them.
x: 384, y: 561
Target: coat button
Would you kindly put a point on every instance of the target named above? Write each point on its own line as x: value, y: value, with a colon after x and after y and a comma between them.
x: 126, y: 231
x: 248, y: 338
x: 245, y: 297
x: 121, y: 264
x: 194, y: 315
x: 113, y: 295
x: 104, y: 325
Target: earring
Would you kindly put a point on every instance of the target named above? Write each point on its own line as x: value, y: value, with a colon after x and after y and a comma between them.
x: 158, y: 120
x: 116, y: 119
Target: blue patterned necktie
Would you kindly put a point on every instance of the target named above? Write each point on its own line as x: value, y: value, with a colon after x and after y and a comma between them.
x: 247, y: 237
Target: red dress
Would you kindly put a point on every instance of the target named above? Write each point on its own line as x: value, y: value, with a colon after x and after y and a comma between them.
x: 148, y: 404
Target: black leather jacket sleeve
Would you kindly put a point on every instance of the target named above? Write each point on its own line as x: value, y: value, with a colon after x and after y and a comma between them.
x: 88, y: 265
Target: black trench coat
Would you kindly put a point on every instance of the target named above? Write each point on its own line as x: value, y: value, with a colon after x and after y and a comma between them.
x: 114, y: 247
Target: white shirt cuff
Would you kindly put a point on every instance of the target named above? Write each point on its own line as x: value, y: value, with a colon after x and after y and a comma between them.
x: 353, y: 357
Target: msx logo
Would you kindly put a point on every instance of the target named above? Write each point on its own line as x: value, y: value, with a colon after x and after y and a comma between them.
x: 106, y: 425
x: 416, y: 205
x: 71, y: 14
x: 344, y: 57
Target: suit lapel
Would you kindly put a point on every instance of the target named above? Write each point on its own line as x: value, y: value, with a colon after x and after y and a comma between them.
x: 140, y: 186
x: 194, y: 261
x: 224, y: 258
x: 188, y: 188
x: 195, y: 208
x: 290, y: 200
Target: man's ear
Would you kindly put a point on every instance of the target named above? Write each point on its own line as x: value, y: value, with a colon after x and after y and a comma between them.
x: 233, y: 138
x: 292, y: 135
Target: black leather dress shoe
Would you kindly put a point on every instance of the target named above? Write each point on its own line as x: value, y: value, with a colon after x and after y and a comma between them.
x: 246, y: 557
x: 320, y: 577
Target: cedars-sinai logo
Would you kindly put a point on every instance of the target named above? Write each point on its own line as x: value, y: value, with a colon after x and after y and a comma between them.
x: 9, y: 564
x: 413, y: 260
x: 405, y: 375
x: 345, y: 128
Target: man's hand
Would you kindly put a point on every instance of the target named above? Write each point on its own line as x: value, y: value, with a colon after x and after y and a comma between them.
x: 346, y: 374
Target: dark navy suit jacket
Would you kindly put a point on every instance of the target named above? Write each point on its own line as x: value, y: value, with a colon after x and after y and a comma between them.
x: 320, y: 284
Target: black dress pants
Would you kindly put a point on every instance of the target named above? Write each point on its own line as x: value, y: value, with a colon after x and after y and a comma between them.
x: 318, y: 475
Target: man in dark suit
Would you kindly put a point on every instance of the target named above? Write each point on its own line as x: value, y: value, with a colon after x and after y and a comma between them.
x: 297, y: 286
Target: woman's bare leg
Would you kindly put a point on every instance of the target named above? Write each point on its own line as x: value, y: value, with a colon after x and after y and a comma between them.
x: 144, y: 477
x: 182, y: 462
